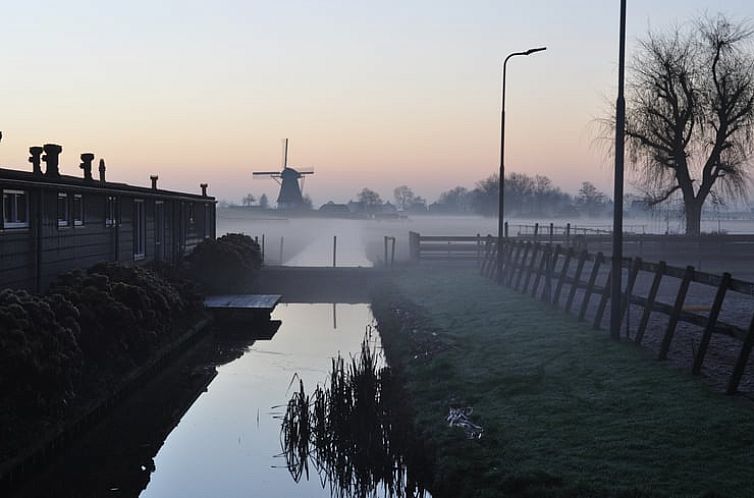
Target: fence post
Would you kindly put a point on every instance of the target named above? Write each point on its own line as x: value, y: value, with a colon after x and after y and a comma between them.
x: 604, y: 297
x: 563, y: 276
x: 541, y: 269
x: 531, y: 266
x: 711, y: 322
x: 568, y: 232
x: 506, y: 229
x: 552, y: 231
x: 536, y: 230
x: 576, y: 282
x: 485, y: 260
x: 385, y: 249
x: 552, y: 261
x: 413, y: 247
x: 392, y: 251
x: 626, y: 304
x: 650, y: 302
x: 262, y: 247
x: 522, y: 265
x: 677, y: 308
x: 743, y: 358
x: 590, y: 286
x: 478, y: 250
x: 515, y: 250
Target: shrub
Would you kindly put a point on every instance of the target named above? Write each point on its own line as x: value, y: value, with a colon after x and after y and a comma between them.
x: 226, y: 264
x: 40, y: 359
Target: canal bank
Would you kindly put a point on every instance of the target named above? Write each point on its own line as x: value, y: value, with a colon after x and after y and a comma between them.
x: 209, y: 424
x: 561, y: 409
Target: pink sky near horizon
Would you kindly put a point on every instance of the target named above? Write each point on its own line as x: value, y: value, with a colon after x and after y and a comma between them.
x: 370, y: 95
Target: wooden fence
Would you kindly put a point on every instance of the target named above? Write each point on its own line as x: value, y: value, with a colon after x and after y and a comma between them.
x: 555, y: 274
x: 707, y: 249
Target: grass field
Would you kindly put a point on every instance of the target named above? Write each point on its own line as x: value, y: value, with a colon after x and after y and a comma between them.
x: 566, y: 411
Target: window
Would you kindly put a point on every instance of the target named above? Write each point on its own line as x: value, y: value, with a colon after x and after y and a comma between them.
x: 111, y: 211
x: 139, y: 229
x: 159, y: 221
x: 15, y: 209
x: 78, y: 210
x: 207, y: 218
x: 64, y: 214
x: 191, y: 214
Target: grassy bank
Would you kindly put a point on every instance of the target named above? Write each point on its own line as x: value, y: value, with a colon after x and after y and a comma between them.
x: 565, y: 410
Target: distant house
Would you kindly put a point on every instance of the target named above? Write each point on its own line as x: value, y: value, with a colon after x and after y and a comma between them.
x: 334, y: 209
x: 53, y: 223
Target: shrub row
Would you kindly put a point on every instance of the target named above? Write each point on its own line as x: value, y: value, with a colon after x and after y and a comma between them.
x: 104, y: 320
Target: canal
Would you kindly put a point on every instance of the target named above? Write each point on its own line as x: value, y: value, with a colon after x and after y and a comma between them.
x: 210, y: 423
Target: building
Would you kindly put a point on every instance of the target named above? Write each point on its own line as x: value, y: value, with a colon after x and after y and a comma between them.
x: 53, y: 223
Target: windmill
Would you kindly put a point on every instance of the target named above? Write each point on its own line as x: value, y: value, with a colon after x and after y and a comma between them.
x: 290, y: 190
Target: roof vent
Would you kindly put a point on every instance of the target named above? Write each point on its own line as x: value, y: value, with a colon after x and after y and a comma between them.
x: 36, y: 159
x: 154, y: 181
x: 102, y: 170
x: 52, y: 158
x: 86, y: 164
x: 204, y: 189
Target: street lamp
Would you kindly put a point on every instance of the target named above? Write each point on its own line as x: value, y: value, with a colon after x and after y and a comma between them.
x: 616, y: 307
x: 501, y: 180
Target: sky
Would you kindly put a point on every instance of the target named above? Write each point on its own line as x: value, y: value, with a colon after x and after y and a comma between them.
x: 370, y: 94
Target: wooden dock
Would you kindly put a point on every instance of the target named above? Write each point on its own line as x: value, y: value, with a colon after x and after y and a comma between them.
x: 240, y: 306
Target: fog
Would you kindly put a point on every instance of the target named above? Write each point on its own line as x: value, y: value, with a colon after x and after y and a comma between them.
x: 308, y: 241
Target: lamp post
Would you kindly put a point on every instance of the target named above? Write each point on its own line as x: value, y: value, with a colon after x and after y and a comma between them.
x: 616, y: 303
x: 501, y: 180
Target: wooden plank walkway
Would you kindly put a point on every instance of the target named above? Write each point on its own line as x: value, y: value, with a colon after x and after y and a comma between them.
x: 243, y: 302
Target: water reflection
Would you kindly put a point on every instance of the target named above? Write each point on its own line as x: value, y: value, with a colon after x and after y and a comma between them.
x: 204, y: 426
x: 354, y: 431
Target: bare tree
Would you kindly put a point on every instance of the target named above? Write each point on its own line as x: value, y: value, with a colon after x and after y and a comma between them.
x: 690, y: 114
x: 248, y: 200
x: 404, y: 197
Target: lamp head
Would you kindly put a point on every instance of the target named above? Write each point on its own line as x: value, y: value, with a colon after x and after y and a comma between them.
x: 535, y: 50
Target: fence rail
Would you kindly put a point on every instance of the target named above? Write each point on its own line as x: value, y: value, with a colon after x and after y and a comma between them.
x: 707, y: 248
x: 544, y: 271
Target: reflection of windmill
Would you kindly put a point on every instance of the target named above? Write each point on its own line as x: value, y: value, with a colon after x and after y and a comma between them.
x: 290, y: 191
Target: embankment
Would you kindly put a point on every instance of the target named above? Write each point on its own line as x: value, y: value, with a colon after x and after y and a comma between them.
x: 565, y: 410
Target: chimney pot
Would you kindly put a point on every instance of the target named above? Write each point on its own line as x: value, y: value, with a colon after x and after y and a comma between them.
x: 52, y: 159
x: 204, y: 189
x: 102, y: 170
x: 36, y: 159
x: 86, y: 164
x: 154, y: 181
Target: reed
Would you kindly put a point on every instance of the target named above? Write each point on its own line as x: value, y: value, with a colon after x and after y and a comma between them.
x: 354, y: 431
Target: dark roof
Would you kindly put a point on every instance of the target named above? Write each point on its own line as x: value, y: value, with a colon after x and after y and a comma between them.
x: 24, y: 178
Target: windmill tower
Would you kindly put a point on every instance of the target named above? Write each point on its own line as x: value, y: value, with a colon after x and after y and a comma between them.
x: 290, y: 191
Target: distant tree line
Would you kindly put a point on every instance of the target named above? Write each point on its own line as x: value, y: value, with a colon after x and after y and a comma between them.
x: 525, y: 196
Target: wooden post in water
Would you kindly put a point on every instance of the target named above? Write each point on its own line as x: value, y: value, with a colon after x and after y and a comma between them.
x: 334, y: 249
x: 386, y: 250
x: 392, y: 251
x: 281, y: 249
x: 263, y: 248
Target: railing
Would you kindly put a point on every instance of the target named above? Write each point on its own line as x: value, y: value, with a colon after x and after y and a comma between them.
x: 446, y: 248
x: 547, y: 270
